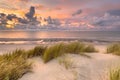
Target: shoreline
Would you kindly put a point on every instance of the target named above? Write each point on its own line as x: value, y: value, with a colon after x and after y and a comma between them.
x: 23, y: 41
x: 13, y: 45
x: 9, y: 46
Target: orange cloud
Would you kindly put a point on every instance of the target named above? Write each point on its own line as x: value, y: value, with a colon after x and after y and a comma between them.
x: 19, y: 13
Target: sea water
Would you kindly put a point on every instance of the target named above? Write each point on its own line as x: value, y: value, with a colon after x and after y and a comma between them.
x: 9, y: 40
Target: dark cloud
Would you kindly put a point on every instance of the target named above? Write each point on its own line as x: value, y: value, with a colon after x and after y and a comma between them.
x: 30, y: 14
x: 53, y: 22
x: 11, y: 16
x: 114, y: 12
x: 77, y: 12
x: 107, y: 21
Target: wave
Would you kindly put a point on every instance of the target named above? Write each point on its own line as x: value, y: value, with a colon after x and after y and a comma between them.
x: 45, y: 40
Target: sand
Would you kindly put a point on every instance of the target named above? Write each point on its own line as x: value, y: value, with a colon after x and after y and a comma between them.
x: 82, y: 68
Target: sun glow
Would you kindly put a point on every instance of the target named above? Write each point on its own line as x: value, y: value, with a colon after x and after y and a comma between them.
x: 19, y: 13
x: 43, y: 23
x: 12, y: 23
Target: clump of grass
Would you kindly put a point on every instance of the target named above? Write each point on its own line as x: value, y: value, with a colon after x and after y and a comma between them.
x: 66, y: 62
x: 61, y: 48
x: 37, y: 51
x: 90, y: 48
x: 115, y: 74
x: 75, y: 47
x: 79, y: 48
x: 53, y: 52
x: 114, y: 49
x: 13, y: 66
x: 13, y: 55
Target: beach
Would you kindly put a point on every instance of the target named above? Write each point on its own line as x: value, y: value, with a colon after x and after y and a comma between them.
x: 94, y: 64
x: 59, y: 40
x: 11, y: 45
x: 95, y: 68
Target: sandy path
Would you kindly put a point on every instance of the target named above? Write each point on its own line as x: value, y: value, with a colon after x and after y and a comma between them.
x: 94, y: 68
x: 49, y: 71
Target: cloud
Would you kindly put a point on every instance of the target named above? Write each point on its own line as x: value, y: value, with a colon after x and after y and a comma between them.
x: 53, y: 22
x: 107, y: 21
x: 13, y: 5
x: 77, y: 12
x: 6, y: 6
x: 114, y: 12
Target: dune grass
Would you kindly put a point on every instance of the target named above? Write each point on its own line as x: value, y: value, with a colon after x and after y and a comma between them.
x: 53, y: 52
x: 79, y: 48
x: 90, y: 49
x: 37, y: 51
x: 15, y: 64
x: 62, y: 48
x: 75, y: 47
x: 66, y: 62
x: 114, y: 49
x: 115, y: 74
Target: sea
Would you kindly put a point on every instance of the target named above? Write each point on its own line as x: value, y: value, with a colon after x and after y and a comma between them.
x: 11, y: 40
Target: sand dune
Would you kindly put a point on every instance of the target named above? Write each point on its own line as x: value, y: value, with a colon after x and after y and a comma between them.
x: 82, y: 68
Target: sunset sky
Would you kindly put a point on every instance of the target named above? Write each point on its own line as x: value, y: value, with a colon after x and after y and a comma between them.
x: 75, y: 13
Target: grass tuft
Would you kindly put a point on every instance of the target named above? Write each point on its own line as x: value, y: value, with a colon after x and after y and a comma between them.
x: 53, y: 52
x: 13, y: 66
x: 66, y: 62
x: 79, y: 48
x: 75, y: 47
x: 13, y: 55
x: 114, y: 49
x: 90, y: 49
x: 115, y: 74
x: 62, y: 48
x: 37, y: 51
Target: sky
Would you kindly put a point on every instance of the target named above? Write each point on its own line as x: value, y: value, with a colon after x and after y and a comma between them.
x: 85, y: 14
